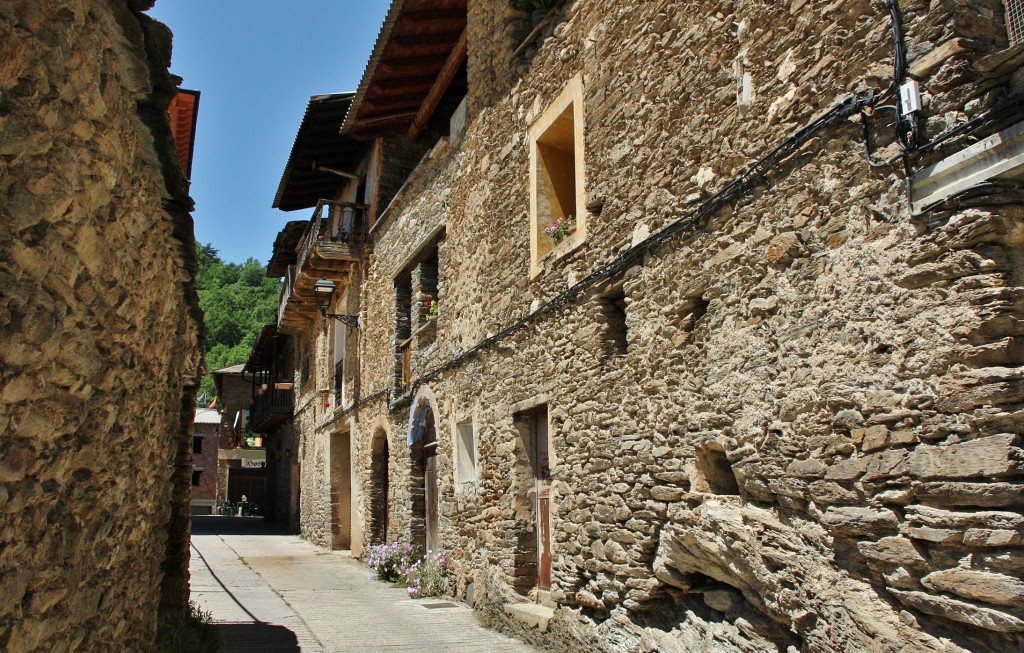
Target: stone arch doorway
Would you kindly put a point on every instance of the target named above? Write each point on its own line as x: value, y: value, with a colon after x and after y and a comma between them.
x: 379, y: 498
x: 424, y: 477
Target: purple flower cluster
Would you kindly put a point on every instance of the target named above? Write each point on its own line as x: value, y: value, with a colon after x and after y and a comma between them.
x: 401, y: 562
x: 427, y: 576
x: 561, y: 228
x: 389, y: 561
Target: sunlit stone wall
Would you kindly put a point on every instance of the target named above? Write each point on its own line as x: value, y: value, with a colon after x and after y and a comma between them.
x: 99, y: 330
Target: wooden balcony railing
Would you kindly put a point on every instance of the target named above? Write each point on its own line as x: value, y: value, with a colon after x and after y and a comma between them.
x: 286, y: 293
x: 271, y: 407
x: 343, y: 223
x: 332, y: 242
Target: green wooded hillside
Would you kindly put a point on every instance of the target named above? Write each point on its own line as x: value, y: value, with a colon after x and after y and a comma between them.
x: 238, y: 300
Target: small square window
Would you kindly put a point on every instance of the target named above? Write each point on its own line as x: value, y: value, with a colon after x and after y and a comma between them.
x: 614, y: 329
x: 557, y: 200
x: 466, y: 446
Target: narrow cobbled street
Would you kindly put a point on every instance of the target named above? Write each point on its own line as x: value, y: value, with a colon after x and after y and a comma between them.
x: 270, y: 592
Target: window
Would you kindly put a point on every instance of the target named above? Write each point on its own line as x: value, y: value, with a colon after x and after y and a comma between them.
x: 417, y: 306
x: 195, y: 476
x: 465, y: 445
x: 614, y: 334
x: 197, y: 444
x: 714, y: 473
x: 1015, y: 21
x: 557, y: 201
x: 424, y: 287
x: 340, y: 342
x: 403, y: 330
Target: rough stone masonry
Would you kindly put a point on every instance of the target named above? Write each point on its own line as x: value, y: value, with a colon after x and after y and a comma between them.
x: 797, y: 426
x: 99, y: 329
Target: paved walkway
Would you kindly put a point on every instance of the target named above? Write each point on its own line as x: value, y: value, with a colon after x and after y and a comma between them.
x: 272, y: 593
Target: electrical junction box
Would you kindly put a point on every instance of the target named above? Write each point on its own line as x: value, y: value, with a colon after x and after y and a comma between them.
x: 910, y: 97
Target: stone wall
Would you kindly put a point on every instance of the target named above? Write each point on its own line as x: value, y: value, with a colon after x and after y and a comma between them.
x: 314, y: 373
x: 99, y: 329
x: 807, y: 433
x: 282, y: 449
x: 234, y: 394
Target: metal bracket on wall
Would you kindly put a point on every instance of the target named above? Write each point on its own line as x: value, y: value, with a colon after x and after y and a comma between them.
x: 998, y: 156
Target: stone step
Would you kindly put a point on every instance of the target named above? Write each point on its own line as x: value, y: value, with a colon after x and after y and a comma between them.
x: 531, y: 614
x: 544, y: 598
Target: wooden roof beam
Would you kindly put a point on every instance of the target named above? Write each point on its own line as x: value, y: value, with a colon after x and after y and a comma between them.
x: 437, y: 91
x: 376, y: 122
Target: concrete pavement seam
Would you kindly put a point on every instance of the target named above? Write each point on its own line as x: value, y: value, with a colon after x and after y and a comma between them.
x: 272, y: 589
x: 221, y: 583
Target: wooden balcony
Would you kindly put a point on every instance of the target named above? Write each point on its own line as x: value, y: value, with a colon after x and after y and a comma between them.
x: 335, y: 239
x: 271, y: 407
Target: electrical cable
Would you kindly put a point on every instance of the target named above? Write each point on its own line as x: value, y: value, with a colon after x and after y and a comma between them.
x: 632, y: 256
x: 1003, y: 108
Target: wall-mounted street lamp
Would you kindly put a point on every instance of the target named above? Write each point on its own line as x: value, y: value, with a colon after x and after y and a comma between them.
x: 323, y: 291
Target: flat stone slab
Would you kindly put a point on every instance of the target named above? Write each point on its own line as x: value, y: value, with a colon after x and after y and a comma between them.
x: 534, y: 615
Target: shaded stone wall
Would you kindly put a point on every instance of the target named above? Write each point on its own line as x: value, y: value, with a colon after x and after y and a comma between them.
x: 99, y: 330
x: 808, y: 436
x: 313, y: 401
x: 283, y: 444
x: 235, y: 393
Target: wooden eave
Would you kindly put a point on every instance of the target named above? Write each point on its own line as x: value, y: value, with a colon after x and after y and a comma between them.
x: 318, y: 144
x: 261, y: 358
x: 284, y: 248
x: 417, y: 71
x: 184, y: 113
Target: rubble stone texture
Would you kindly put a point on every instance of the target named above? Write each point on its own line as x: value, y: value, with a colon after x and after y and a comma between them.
x: 794, y: 428
x: 809, y: 439
x: 99, y: 330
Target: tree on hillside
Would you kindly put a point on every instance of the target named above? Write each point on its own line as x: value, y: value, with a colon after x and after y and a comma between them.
x: 238, y: 300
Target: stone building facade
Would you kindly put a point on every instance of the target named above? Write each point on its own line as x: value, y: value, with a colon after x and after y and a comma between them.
x: 99, y: 329
x: 760, y: 395
x: 311, y: 358
x: 241, y: 466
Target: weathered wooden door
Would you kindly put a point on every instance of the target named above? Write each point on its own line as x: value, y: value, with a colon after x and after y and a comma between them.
x: 430, y: 484
x: 385, y: 490
x: 542, y: 478
x: 341, y: 491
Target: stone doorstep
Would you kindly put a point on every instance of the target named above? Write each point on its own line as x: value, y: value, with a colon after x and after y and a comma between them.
x: 531, y: 614
x: 544, y: 598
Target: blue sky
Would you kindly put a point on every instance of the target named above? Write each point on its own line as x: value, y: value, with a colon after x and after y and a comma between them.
x: 256, y: 63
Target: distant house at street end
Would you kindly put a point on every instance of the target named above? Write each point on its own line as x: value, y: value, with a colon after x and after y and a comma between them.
x: 205, y: 440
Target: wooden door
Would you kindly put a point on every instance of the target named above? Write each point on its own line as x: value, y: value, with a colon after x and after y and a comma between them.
x: 430, y: 495
x: 542, y: 478
x: 430, y: 483
x: 341, y: 491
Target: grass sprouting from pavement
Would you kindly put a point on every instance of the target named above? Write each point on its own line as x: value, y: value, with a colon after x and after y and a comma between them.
x: 192, y: 632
